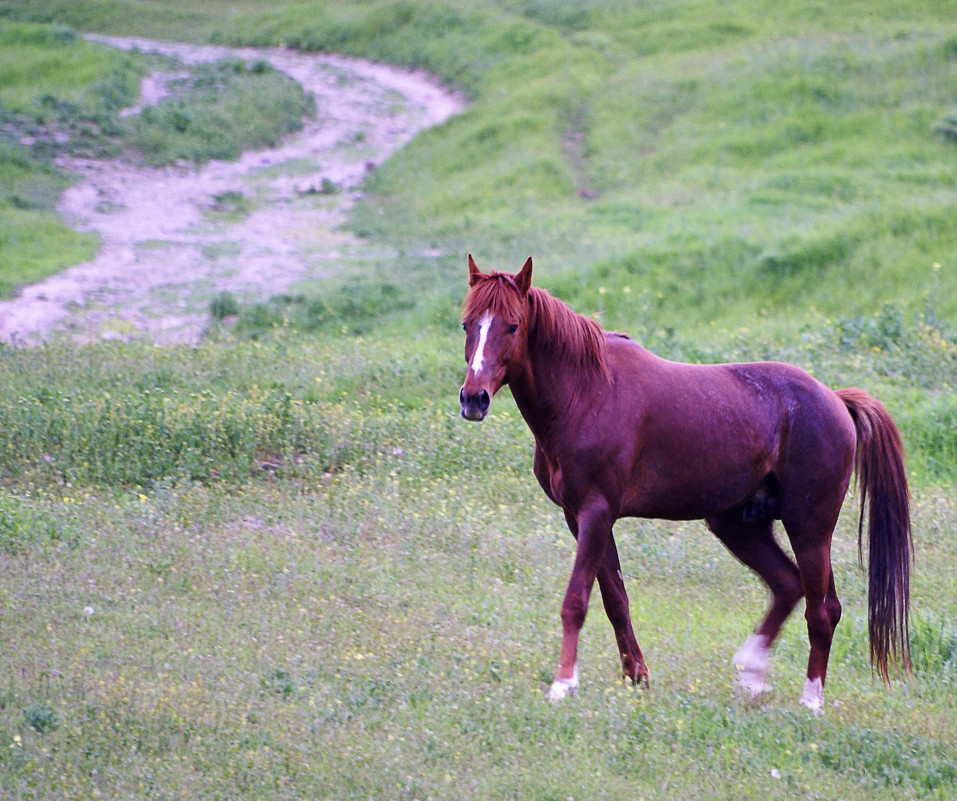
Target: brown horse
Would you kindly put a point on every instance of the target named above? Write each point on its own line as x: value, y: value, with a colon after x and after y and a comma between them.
x: 620, y: 432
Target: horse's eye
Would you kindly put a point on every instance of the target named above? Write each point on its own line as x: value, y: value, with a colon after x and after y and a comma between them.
x: 464, y: 327
x: 513, y: 328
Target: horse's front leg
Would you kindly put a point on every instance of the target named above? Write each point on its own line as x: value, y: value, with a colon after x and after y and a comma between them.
x: 592, y: 529
x: 615, y: 599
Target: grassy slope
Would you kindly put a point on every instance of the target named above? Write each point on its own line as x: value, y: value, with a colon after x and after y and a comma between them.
x: 32, y: 242
x: 738, y: 160
x: 281, y: 567
x: 741, y: 163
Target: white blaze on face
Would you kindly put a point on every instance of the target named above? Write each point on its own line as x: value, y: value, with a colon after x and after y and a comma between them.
x: 478, y: 360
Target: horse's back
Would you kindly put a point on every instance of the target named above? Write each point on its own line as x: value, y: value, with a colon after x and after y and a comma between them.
x: 762, y: 389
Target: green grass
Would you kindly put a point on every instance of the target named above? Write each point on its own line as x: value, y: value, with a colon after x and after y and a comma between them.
x: 51, y: 82
x: 388, y: 631
x: 279, y: 565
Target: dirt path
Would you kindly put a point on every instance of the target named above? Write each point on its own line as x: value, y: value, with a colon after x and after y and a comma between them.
x: 173, y: 238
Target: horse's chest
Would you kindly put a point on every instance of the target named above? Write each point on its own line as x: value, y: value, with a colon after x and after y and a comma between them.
x: 556, y: 486
x: 549, y: 475
x: 553, y: 484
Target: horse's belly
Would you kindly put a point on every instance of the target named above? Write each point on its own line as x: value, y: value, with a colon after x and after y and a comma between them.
x: 698, y: 497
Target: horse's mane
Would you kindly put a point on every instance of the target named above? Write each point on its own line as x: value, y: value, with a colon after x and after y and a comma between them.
x: 552, y: 324
x: 557, y: 327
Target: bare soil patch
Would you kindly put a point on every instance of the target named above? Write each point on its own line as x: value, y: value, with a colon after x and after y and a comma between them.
x: 172, y: 238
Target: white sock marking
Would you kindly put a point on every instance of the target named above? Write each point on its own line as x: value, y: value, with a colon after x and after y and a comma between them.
x: 479, y: 358
x: 751, y: 662
x: 813, y: 696
x: 562, y: 688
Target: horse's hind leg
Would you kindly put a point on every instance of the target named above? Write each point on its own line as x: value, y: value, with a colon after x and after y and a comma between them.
x: 753, y: 543
x: 823, y: 609
x: 615, y: 600
x: 809, y: 528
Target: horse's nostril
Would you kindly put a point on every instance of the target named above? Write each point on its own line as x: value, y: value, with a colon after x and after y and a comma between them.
x: 474, y: 404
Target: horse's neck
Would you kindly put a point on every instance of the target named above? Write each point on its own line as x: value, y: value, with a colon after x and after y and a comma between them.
x: 545, y: 395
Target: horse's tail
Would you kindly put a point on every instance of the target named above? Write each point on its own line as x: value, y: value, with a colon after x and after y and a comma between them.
x: 880, y: 475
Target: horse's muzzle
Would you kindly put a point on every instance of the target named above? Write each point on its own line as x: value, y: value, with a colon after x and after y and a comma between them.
x: 474, y: 407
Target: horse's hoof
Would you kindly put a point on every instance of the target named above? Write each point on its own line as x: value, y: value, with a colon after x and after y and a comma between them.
x: 641, y: 677
x: 751, y: 662
x: 813, y: 697
x: 562, y: 688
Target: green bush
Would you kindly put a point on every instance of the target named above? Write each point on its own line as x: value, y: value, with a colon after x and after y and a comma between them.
x: 223, y: 305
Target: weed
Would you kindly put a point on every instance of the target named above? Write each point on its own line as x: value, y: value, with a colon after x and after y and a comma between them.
x: 278, y: 682
x: 223, y: 305
x: 41, y: 717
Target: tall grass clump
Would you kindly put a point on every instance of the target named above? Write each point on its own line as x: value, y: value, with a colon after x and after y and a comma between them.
x: 149, y: 424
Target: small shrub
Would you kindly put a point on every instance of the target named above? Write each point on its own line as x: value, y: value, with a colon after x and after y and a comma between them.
x: 278, y: 682
x: 223, y: 305
x: 258, y: 320
x: 41, y: 717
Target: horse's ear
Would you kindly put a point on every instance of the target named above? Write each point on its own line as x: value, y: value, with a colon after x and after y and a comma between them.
x: 474, y: 272
x: 524, y: 278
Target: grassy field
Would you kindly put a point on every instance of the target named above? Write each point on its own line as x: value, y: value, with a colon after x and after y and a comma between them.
x: 280, y: 566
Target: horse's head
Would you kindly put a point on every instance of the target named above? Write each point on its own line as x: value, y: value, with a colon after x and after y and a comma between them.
x: 494, y: 318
